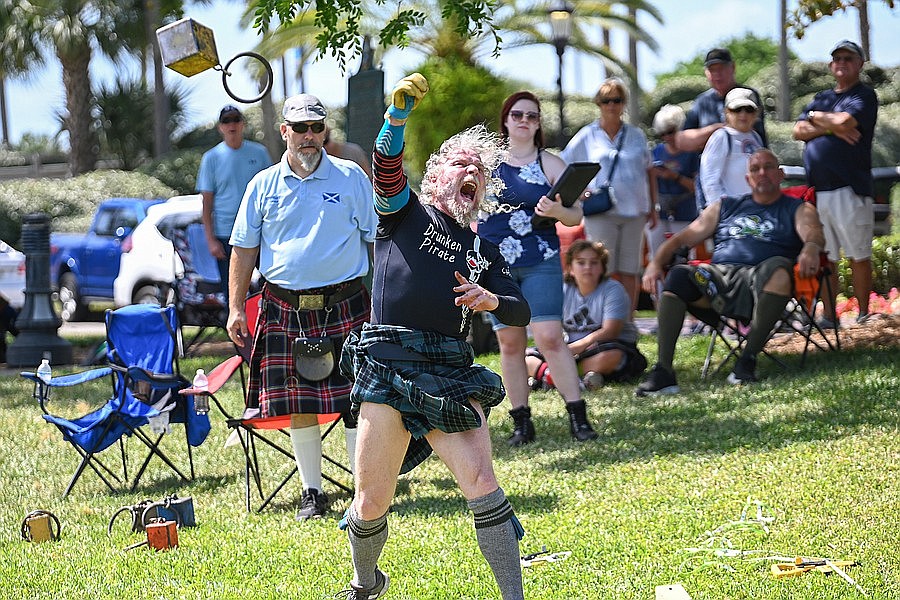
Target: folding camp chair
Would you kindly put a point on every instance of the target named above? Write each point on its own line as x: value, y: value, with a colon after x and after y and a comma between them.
x: 142, y: 350
x: 798, y: 317
x: 198, y: 287
x: 271, y: 432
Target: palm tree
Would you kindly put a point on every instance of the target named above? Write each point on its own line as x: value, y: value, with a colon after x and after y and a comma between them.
x: 68, y: 28
x: 18, y: 54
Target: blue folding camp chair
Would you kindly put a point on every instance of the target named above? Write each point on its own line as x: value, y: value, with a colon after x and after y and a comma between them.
x: 143, y: 347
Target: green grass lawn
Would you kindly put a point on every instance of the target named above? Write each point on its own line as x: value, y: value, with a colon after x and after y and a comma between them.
x: 819, y: 447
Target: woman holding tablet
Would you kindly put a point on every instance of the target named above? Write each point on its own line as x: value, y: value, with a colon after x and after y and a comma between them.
x: 533, y: 256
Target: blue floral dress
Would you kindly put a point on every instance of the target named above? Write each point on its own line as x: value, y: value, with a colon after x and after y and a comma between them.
x: 520, y: 243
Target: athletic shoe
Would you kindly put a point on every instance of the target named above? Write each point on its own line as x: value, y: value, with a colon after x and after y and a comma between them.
x: 313, y: 505
x: 744, y: 371
x: 382, y: 581
x: 592, y: 381
x: 862, y: 318
x: 659, y: 381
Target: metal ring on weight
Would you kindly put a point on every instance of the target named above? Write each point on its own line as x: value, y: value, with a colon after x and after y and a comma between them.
x: 25, y: 534
x: 146, y: 516
x: 269, y: 77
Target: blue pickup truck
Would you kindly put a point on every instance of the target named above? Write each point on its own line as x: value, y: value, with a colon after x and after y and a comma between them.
x: 83, y: 266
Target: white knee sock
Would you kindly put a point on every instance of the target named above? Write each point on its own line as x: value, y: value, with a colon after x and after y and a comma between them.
x: 350, y: 436
x: 307, y: 443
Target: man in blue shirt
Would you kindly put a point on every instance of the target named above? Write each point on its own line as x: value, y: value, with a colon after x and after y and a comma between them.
x: 309, y: 220
x: 224, y: 173
x: 708, y: 111
x: 838, y: 126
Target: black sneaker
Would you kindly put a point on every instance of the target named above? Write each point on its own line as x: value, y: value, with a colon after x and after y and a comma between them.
x: 313, y: 505
x: 659, y: 381
x: 382, y: 581
x: 744, y: 371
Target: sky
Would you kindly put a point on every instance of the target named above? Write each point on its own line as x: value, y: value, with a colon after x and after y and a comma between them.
x: 689, y: 27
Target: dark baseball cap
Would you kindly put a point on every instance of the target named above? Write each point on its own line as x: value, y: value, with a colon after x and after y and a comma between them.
x: 228, y: 110
x: 851, y: 46
x: 717, y: 56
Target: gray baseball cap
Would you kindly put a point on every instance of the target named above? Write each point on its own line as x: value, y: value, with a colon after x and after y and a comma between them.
x: 303, y: 107
x: 851, y: 46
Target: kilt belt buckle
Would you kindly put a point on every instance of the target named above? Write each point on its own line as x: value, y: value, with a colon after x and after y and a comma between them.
x: 311, y: 301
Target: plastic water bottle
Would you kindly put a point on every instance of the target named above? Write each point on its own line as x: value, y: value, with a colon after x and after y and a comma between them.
x: 201, y: 400
x: 44, y: 372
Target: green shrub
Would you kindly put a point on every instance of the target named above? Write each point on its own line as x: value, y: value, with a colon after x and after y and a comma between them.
x: 177, y: 170
x: 70, y: 203
x: 885, y: 267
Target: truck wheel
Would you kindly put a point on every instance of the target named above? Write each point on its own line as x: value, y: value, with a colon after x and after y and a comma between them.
x: 71, y: 307
x: 153, y: 294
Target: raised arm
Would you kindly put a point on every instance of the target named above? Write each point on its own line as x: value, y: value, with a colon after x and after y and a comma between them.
x: 391, y: 188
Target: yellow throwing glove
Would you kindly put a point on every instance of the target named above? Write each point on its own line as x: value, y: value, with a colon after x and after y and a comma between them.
x: 406, y: 96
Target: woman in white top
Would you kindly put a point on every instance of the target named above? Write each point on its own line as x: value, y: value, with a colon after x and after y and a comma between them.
x: 633, y: 183
x: 723, y: 164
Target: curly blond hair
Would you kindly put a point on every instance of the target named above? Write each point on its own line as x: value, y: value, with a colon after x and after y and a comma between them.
x: 490, y: 148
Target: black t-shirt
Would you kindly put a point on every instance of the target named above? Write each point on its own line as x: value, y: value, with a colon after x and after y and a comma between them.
x: 417, y: 249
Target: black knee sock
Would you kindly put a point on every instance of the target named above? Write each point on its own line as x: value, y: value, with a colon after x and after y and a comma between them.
x: 769, y: 307
x: 670, y: 313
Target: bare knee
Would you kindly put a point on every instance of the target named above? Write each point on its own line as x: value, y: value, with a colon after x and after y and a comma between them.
x: 370, y: 506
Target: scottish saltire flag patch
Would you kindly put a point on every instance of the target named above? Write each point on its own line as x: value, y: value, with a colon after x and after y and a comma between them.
x: 336, y: 198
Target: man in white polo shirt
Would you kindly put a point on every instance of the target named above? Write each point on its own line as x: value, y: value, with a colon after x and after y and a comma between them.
x: 309, y: 220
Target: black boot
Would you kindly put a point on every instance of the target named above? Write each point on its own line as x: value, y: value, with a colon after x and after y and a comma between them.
x: 578, y: 423
x: 523, y: 428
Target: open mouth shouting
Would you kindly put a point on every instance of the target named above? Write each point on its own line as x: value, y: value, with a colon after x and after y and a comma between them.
x: 468, y: 190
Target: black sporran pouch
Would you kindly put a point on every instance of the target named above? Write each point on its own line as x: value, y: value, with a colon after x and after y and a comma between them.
x: 314, y: 358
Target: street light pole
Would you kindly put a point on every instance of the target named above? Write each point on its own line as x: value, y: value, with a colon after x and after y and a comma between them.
x: 560, y: 13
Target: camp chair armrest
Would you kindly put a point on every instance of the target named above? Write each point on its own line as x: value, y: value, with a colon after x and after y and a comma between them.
x: 71, y: 379
x: 157, y: 380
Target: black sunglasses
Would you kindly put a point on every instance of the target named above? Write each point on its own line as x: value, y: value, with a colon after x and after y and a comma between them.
x: 317, y: 127
x: 612, y: 100
x: 228, y: 120
x: 746, y: 109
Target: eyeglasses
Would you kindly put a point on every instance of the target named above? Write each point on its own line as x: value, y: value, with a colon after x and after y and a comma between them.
x: 843, y: 58
x: 530, y: 116
x: 612, y: 100
x: 228, y: 120
x: 740, y: 109
x: 317, y: 127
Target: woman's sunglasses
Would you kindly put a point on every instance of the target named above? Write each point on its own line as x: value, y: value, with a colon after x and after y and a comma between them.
x: 317, y: 127
x: 612, y: 100
x: 746, y: 109
x: 530, y: 116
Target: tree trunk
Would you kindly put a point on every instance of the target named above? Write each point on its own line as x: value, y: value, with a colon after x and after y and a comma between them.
x: 863, y: 7
x: 607, y: 39
x: 83, y: 144
x: 784, y: 85
x: 634, y: 106
x: 4, y: 123
x: 271, y: 140
x: 160, y: 100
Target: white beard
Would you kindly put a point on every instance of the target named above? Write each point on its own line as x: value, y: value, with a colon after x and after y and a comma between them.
x: 309, y: 162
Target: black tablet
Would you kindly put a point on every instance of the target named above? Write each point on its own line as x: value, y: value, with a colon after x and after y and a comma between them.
x: 570, y: 185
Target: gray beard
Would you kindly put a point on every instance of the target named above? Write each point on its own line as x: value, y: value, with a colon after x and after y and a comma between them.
x: 309, y: 162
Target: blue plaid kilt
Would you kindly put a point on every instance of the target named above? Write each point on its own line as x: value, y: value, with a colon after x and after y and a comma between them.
x: 274, y: 386
x: 433, y: 393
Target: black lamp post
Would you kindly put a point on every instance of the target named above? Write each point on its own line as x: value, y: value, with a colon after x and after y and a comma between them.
x: 560, y: 13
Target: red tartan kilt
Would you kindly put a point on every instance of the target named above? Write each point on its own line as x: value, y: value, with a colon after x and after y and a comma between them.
x: 274, y: 386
